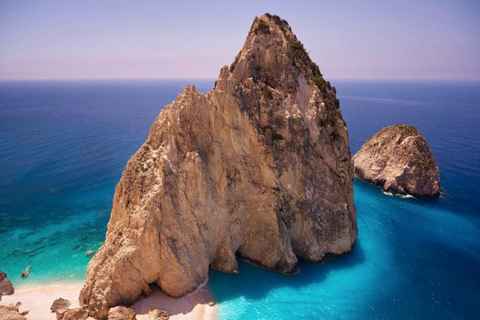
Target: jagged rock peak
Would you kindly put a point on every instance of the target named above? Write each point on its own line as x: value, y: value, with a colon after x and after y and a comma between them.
x: 273, y: 55
x: 259, y: 168
x: 399, y: 160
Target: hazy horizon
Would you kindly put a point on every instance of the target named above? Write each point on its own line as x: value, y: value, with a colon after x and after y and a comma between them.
x: 215, y: 78
x: 88, y: 40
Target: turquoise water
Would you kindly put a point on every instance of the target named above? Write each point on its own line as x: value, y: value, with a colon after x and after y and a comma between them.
x: 63, y: 146
x: 412, y: 260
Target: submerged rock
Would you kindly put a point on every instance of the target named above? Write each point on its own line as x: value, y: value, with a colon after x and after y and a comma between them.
x: 259, y: 167
x: 26, y: 272
x: 90, y: 253
x: 399, y: 160
x: 6, y: 287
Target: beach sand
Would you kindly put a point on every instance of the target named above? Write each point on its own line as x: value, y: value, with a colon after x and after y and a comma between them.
x: 193, y: 306
x: 38, y: 300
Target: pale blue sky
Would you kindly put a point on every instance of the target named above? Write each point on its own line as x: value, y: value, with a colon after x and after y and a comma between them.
x: 349, y: 39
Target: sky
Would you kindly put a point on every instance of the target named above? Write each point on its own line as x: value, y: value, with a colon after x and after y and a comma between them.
x: 349, y: 39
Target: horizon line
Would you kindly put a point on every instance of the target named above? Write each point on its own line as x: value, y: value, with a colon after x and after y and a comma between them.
x: 215, y: 78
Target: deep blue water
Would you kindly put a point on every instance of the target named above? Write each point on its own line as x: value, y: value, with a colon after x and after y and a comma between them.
x: 63, y: 146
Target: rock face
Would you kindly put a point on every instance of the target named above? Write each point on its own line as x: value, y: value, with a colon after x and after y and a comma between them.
x: 259, y: 167
x: 6, y: 287
x: 398, y: 160
x: 60, y: 303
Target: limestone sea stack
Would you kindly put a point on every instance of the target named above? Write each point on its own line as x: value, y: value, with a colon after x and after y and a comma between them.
x: 258, y: 168
x: 399, y: 160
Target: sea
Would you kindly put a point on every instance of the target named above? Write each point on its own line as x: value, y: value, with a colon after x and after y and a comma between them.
x: 64, y: 145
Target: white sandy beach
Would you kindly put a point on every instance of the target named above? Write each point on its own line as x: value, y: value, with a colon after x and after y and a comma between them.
x: 38, y: 300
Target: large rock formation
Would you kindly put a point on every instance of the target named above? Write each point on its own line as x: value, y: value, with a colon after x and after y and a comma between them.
x: 259, y: 167
x: 398, y: 160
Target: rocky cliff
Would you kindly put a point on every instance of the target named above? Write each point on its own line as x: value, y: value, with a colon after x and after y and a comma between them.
x: 399, y: 160
x: 257, y: 168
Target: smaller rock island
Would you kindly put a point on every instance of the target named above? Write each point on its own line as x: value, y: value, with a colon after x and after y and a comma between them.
x: 399, y: 160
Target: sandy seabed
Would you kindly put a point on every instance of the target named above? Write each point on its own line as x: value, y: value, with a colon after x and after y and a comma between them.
x: 39, y: 298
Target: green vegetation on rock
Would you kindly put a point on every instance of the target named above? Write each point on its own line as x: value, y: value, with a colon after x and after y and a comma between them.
x: 301, y: 58
x: 267, y: 93
x: 262, y: 27
x: 234, y: 63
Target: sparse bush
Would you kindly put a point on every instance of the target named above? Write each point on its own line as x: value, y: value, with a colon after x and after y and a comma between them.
x: 319, y: 81
x: 262, y: 27
x: 328, y: 92
x: 299, y: 51
x: 234, y: 63
x: 267, y: 93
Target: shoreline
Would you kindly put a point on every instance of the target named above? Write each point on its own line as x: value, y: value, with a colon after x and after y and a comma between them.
x: 38, y: 298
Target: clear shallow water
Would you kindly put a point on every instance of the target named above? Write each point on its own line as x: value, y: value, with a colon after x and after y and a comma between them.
x: 63, y: 146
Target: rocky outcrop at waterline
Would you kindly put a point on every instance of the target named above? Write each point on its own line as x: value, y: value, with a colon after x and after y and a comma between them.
x: 399, y: 160
x: 258, y: 168
x: 6, y: 287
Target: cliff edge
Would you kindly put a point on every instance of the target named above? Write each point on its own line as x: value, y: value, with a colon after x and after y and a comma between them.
x: 258, y: 168
x: 399, y: 160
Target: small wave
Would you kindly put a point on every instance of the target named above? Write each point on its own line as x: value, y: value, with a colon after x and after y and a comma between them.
x: 403, y: 196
